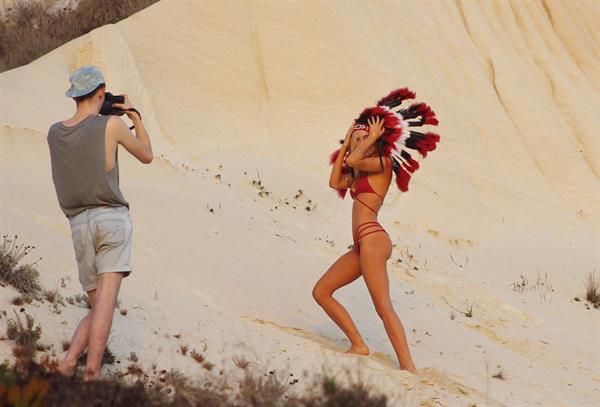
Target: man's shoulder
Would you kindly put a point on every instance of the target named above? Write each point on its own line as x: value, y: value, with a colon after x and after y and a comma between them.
x: 53, y: 128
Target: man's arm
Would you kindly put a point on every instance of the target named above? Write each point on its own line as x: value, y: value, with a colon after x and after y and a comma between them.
x: 138, y: 145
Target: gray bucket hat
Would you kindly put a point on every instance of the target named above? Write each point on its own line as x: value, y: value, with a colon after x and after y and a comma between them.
x: 84, y: 80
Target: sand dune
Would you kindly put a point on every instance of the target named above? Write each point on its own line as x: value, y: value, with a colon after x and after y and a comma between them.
x: 233, y: 93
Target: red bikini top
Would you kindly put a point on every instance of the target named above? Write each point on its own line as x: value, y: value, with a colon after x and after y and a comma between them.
x: 363, y: 185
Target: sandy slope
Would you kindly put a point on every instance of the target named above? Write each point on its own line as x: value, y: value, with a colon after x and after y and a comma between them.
x: 237, y: 92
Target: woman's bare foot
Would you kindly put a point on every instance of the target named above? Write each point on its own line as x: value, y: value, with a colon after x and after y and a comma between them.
x: 361, y: 349
x: 66, y: 368
x: 411, y: 369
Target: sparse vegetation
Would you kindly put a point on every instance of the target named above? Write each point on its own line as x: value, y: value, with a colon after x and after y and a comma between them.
x: 468, y: 312
x: 26, y: 337
x: 83, y: 299
x: 23, y: 277
x: 241, y: 362
x: 22, y: 299
x: 198, y: 357
x: 259, y: 390
x: 499, y: 375
x: 51, y: 296
x: 32, y: 30
x: 43, y: 386
x: 592, y: 289
x: 54, y: 298
x: 519, y: 285
x: 108, y: 358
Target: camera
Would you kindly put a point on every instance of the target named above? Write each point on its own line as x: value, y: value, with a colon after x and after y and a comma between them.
x: 107, y: 106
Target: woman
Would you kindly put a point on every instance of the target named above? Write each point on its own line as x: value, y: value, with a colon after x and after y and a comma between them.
x: 364, y: 164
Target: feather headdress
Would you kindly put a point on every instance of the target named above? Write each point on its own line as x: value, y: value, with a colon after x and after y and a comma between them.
x: 398, y: 137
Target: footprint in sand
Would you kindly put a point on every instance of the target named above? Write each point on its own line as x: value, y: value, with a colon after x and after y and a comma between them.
x: 322, y: 341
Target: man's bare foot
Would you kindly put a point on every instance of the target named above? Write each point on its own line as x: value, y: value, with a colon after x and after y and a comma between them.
x: 359, y: 350
x: 91, y: 375
x: 66, y: 368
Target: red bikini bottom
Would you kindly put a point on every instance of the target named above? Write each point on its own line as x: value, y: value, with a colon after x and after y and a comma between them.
x: 365, y: 229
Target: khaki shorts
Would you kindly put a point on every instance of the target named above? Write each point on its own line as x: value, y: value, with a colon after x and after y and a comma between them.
x: 102, y: 242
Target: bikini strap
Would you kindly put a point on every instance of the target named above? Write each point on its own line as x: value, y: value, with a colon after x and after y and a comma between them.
x: 372, y: 210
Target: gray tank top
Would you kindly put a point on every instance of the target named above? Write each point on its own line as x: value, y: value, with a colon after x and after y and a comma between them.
x: 78, y: 166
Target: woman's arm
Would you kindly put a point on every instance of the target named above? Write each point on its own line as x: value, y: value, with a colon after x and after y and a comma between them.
x: 337, y: 180
x: 357, y: 157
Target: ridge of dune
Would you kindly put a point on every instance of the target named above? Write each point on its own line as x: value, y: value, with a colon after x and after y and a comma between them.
x: 235, y: 93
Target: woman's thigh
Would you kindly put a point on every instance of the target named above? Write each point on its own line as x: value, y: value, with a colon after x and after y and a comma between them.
x: 375, y: 250
x: 345, y: 270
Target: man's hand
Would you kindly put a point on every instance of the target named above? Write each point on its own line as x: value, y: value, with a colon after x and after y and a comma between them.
x: 127, y: 106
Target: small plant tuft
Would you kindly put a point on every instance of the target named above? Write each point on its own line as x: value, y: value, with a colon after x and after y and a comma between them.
x: 241, y: 362
x: 592, y: 289
x: 198, y: 357
x: 23, y: 277
x: 26, y: 337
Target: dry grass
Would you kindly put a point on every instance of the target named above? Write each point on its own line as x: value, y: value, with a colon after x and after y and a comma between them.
x: 198, y: 357
x: 592, y: 289
x: 32, y: 31
x: 83, y: 299
x: 26, y: 337
x: 108, y: 358
x: 172, y: 388
x: 258, y: 391
x: 241, y: 362
x: 23, y: 277
x: 468, y: 312
x: 22, y: 299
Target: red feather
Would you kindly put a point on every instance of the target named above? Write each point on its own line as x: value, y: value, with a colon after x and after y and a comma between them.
x: 333, y: 157
x: 398, y: 94
x: 411, y: 165
x: 427, y: 143
x: 402, y: 179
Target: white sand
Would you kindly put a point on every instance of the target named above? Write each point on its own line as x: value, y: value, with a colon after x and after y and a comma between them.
x: 255, y: 89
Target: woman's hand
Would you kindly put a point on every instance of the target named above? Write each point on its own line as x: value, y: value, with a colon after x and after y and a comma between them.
x: 349, y: 135
x: 376, y: 128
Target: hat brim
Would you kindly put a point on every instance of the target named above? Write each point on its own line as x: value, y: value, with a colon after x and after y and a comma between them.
x: 75, y: 93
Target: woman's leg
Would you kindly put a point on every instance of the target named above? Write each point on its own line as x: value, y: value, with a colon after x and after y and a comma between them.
x: 375, y: 251
x: 344, y: 271
x: 79, y: 341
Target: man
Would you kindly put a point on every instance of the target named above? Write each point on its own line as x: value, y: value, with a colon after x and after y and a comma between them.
x: 85, y: 171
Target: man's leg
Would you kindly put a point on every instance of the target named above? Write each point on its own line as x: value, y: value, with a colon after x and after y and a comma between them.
x: 100, y: 321
x: 79, y: 341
